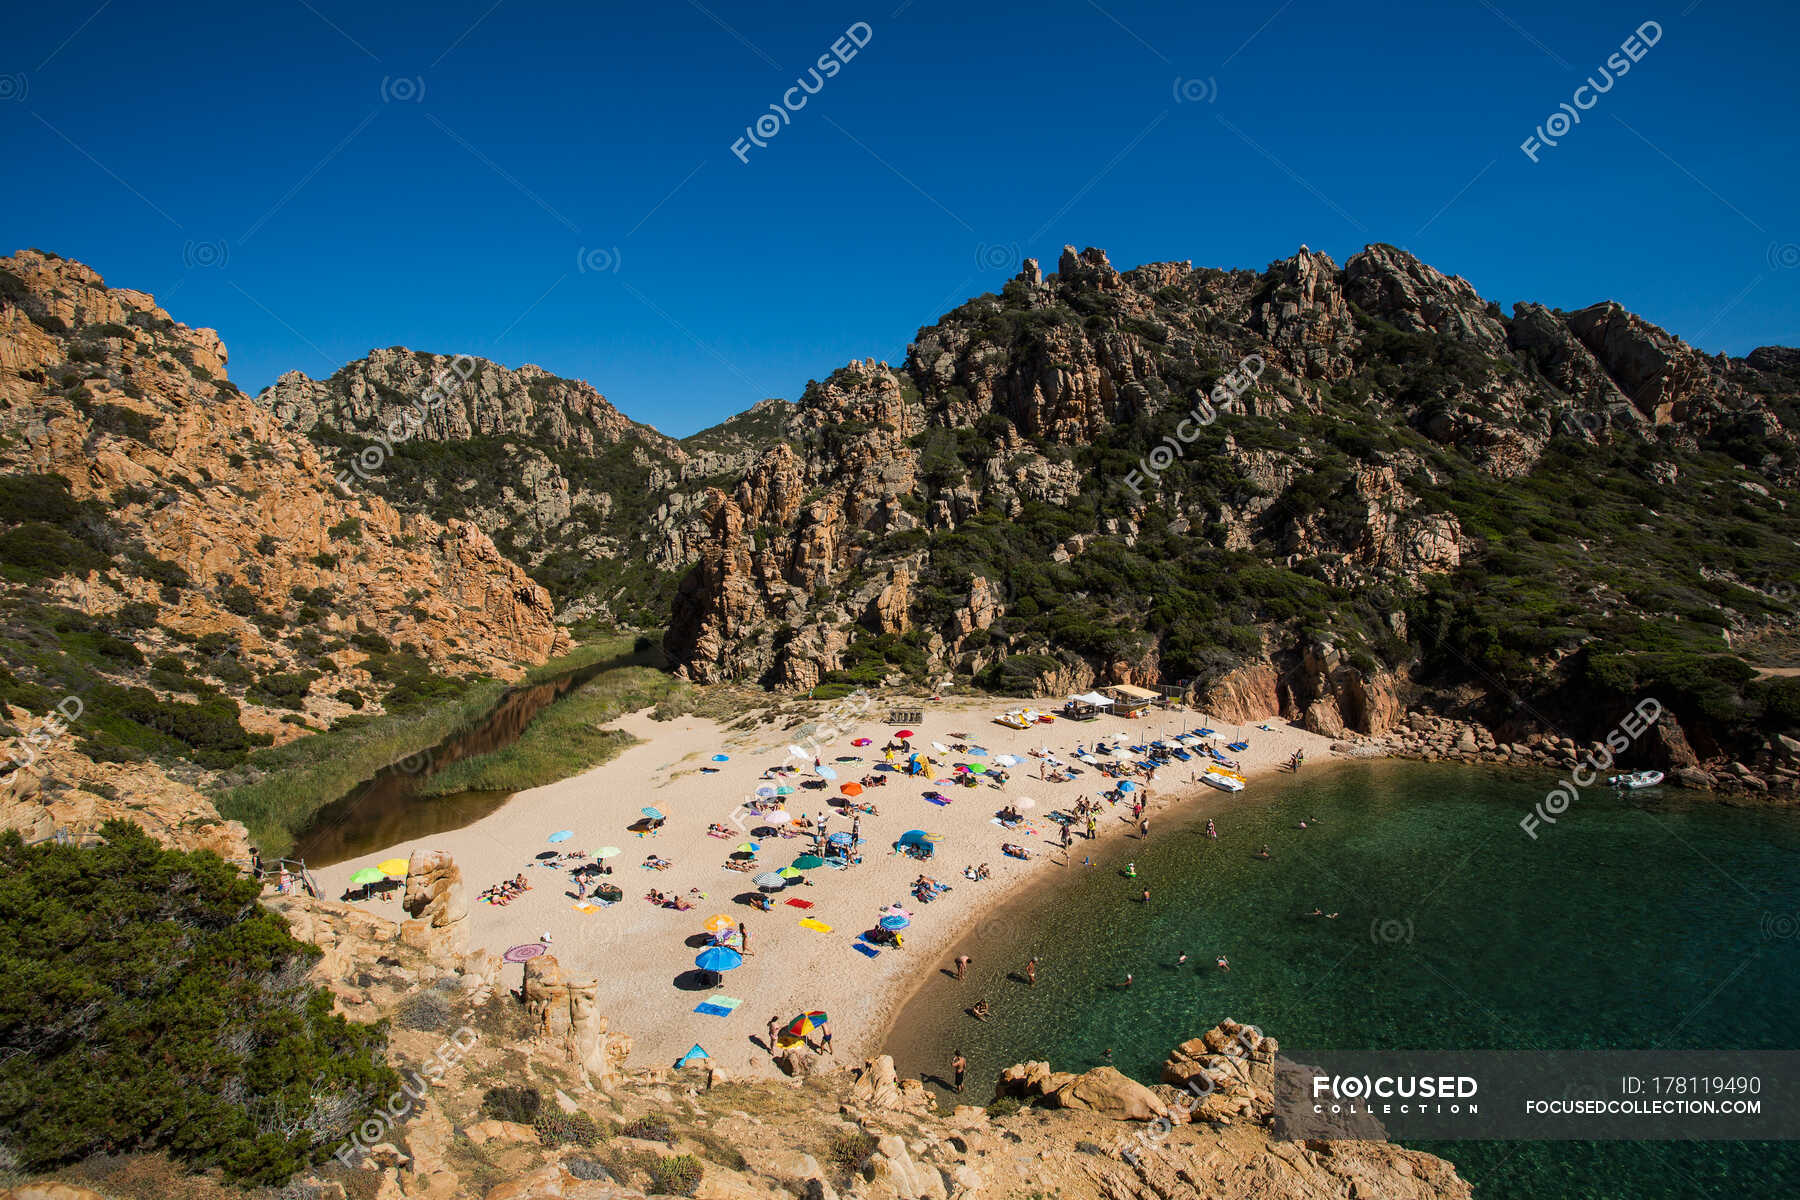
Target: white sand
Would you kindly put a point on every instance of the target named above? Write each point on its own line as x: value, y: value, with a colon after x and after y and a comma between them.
x: 639, y: 951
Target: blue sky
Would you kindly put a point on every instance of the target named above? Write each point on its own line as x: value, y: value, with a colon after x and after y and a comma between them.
x: 555, y: 183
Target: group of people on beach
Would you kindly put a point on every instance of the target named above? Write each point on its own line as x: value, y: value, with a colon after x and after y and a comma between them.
x: 507, y: 890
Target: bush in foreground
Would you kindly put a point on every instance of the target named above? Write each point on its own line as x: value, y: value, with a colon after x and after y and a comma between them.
x: 152, y: 1004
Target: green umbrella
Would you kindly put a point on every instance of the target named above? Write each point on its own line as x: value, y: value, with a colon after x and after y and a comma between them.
x: 978, y: 768
x: 807, y: 862
x: 788, y: 873
x: 366, y: 876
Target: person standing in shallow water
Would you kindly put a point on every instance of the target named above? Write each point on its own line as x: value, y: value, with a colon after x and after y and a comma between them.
x: 1031, y: 970
x: 962, y: 965
x: 958, y: 1066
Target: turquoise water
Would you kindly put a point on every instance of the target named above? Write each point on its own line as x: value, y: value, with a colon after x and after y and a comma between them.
x: 1658, y: 920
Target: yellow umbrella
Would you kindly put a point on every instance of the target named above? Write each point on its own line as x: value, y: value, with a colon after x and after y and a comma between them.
x: 788, y: 873
x: 606, y: 852
x: 395, y: 867
x: 720, y: 923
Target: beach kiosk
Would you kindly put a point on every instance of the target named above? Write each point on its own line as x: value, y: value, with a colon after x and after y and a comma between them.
x: 1129, y: 701
x: 1086, y: 706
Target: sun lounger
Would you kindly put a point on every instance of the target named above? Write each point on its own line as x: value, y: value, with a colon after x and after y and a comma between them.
x: 1238, y: 747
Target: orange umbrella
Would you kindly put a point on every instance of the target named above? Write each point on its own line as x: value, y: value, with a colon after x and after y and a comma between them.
x: 851, y: 789
x: 720, y: 923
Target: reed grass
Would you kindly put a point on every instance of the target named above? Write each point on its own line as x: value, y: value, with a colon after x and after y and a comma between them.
x: 295, y: 781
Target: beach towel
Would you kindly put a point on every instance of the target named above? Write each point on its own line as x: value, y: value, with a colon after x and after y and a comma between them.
x: 815, y: 924
x: 585, y: 907
x: 799, y: 903
x: 718, y: 1006
x: 865, y: 948
x: 937, y: 800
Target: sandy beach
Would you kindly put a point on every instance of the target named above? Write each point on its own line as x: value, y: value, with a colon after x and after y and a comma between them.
x: 643, y: 955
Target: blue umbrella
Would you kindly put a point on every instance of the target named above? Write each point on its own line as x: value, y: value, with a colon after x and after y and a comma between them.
x: 915, y: 837
x: 719, y: 958
x: 894, y: 922
x: 825, y: 772
x: 721, y: 758
x: 655, y: 814
x: 839, y: 839
x: 1128, y: 786
x: 561, y: 835
x: 765, y: 792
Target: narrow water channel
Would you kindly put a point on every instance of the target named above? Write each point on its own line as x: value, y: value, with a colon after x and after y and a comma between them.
x: 387, y: 808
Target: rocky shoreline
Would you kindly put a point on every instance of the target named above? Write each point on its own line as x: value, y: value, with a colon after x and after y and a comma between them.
x: 1772, y: 775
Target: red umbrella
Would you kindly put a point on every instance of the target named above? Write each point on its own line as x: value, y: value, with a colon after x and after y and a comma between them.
x: 904, y: 733
x: 851, y: 789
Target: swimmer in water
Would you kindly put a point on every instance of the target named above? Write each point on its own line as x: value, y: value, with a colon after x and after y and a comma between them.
x: 1223, y: 965
x: 1264, y: 852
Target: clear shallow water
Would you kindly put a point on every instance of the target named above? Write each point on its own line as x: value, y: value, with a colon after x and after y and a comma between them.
x: 1659, y: 920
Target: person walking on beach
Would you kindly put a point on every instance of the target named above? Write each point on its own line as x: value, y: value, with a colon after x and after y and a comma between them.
x: 1143, y: 827
x: 1091, y: 827
x: 1031, y: 970
x: 825, y: 1039
x: 958, y: 1066
x: 774, y: 1025
x: 962, y: 965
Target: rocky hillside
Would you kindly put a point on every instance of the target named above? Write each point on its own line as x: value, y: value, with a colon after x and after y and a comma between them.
x: 185, y: 567
x: 599, y: 509
x: 1360, y: 484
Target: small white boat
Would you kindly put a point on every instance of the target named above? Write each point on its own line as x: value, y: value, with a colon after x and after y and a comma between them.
x: 1636, y: 779
x: 1222, y: 781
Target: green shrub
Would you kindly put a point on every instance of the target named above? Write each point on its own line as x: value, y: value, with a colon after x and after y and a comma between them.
x: 518, y: 1104
x: 153, y: 1005
x: 677, y: 1174
x: 1003, y: 1106
x: 846, y: 1153
x: 427, y: 1011
x: 557, y: 1128
x: 651, y: 1129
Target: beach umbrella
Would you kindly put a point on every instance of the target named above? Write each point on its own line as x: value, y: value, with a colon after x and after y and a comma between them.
x: 904, y: 733
x: 825, y: 772
x: 367, y: 876
x: 917, y: 837
x: 839, y: 839
x: 721, y: 758
x: 770, y: 880
x: 978, y: 768
x: 395, y: 867
x: 561, y: 835
x: 719, y: 923
x: 788, y: 873
x: 784, y: 790
x: 804, y: 1024
x: 808, y: 862
x: 747, y: 848
x: 765, y: 791
x: 894, y: 922
x: 719, y: 958
x: 1007, y: 760
x: 860, y: 742
x: 606, y: 852
x: 851, y: 789
x: 654, y: 813
x: 777, y: 816
x: 1128, y: 786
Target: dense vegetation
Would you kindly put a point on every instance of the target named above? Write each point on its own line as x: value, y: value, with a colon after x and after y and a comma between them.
x: 152, y: 1004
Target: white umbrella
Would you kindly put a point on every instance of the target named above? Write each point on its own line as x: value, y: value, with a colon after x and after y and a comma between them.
x: 606, y: 852
x: 777, y: 816
x: 1007, y: 760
